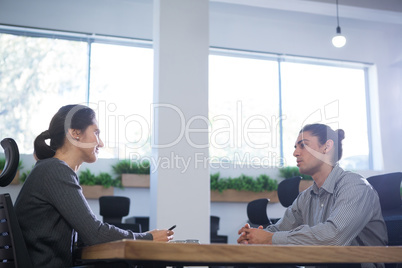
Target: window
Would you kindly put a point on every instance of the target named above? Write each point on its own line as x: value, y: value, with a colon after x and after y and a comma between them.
x: 37, y: 76
x: 257, y: 102
x: 45, y: 70
x: 267, y: 99
x: 122, y: 86
x: 243, y: 110
x: 331, y: 95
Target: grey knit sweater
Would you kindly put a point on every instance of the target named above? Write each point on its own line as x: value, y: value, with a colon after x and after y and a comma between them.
x: 50, y: 207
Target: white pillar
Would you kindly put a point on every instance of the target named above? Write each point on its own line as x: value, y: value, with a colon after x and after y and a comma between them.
x: 180, y: 188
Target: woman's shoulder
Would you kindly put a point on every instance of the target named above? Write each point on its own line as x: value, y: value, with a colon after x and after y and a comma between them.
x: 52, y: 167
x: 53, y: 163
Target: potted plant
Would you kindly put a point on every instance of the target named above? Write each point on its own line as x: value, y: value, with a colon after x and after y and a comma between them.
x: 243, y: 188
x: 94, y: 187
x: 17, y: 175
x: 290, y: 172
x: 24, y: 176
x: 133, y: 174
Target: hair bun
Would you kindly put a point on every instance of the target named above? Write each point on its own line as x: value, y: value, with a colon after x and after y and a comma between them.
x: 340, y: 133
x: 42, y: 150
x: 45, y: 134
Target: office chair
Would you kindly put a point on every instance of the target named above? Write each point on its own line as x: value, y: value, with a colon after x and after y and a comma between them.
x: 113, y: 209
x: 215, y: 238
x: 388, y: 189
x: 288, y: 190
x: 12, y: 155
x: 142, y: 221
x: 13, y: 251
x: 257, y: 213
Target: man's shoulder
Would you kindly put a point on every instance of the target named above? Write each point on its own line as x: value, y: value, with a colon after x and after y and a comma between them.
x: 347, y: 176
x: 350, y: 175
x: 350, y: 180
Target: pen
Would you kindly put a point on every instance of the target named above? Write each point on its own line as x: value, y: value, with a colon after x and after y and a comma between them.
x: 171, y: 228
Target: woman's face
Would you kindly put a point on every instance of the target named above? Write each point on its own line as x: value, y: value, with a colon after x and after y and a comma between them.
x: 309, y: 153
x: 90, y: 143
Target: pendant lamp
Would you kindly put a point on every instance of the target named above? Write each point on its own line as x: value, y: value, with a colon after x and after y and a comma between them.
x: 338, y: 40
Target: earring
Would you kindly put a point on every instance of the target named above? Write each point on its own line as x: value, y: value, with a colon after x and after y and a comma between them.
x: 77, y: 138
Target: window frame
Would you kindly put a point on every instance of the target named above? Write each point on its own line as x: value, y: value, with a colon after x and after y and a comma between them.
x: 372, y: 124
x: 75, y: 36
x: 369, y: 71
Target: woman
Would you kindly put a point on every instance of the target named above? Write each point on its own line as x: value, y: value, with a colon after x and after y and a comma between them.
x: 340, y: 208
x: 51, y: 207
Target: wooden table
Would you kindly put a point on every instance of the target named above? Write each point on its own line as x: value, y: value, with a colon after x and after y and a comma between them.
x: 168, y: 254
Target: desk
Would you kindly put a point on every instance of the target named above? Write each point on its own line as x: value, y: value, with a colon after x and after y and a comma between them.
x: 208, y: 254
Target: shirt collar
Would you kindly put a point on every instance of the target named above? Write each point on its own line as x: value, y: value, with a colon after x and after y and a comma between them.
x: 330, y: 181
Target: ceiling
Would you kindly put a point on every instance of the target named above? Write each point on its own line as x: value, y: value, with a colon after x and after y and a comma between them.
x: 385, y: 5
x: 387, y: 11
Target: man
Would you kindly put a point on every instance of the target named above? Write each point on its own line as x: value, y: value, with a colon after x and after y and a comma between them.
x: 340, y: 208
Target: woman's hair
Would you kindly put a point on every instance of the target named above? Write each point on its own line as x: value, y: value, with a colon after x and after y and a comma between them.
x: 68, y: 117
x: 324, y: 133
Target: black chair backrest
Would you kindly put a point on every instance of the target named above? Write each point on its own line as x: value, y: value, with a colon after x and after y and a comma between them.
x: 288, y: 190
x: 388, y: 189
x: 143, y: 222
x: 214, y: 225
x: 13, y: 251
x: 135, y: 227
x: 114, y: 208
x: 257, y: 212
x: 12, y: 156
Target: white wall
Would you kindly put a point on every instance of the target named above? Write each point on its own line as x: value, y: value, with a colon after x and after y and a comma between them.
x: 249, y: 28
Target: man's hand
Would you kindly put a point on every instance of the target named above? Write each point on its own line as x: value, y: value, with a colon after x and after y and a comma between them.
x: 254, y: 235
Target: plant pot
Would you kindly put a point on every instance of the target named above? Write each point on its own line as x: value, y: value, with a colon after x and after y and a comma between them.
x: 16, y: 179
x: 96, y: 191
x: 136, y: 180
x: 242, y: 196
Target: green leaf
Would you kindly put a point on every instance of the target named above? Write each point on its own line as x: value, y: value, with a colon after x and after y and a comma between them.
x: 290, y: 172
x: 243, y: 182
x: 131, y: 167
x: 105, y: 179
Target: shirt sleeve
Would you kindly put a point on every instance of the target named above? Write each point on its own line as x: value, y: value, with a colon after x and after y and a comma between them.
x: 64, y: 192
x: 290, y: 220
x: 351, y: 211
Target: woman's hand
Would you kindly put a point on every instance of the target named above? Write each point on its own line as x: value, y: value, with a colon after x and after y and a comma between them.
x: 250, y: 235
x: 162, y: 235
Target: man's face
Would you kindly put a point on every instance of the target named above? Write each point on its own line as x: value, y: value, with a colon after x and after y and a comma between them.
x: 309, y: 153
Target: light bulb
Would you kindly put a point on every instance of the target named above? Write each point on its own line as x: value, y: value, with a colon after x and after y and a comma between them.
x: 338, y: 40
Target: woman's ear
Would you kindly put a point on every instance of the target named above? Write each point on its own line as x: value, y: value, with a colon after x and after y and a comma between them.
x: 74, y: 133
